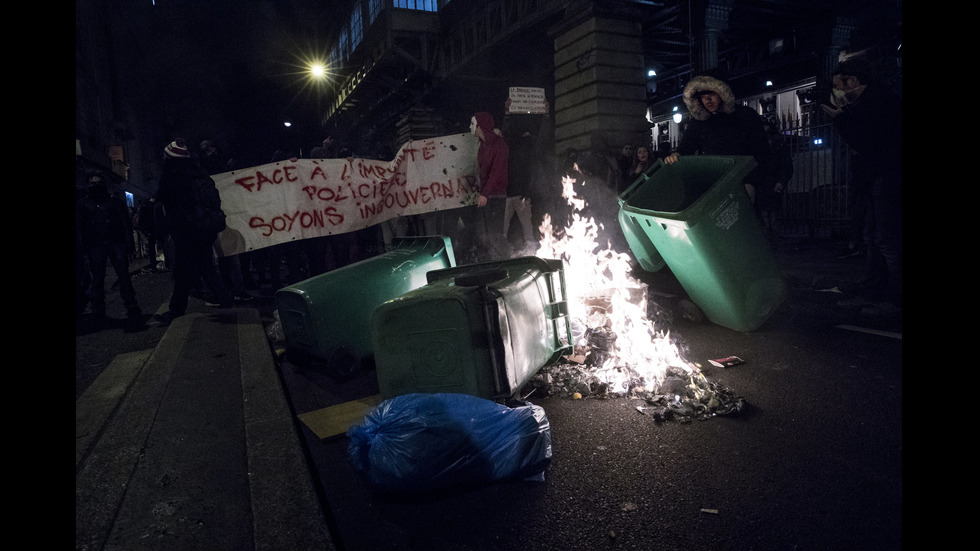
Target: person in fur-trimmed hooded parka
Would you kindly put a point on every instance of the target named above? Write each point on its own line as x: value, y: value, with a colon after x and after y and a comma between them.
x: 719, y: 126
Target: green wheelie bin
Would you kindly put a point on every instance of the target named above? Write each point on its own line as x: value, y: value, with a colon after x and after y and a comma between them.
x: 326, y: 318
x: 697, y: 217
x: 482, y: 329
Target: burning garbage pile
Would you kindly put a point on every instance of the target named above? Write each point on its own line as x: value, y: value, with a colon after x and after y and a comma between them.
x: 619, y: 351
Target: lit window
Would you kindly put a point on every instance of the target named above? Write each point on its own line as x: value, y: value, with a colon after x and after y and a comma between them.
x: 343, y: 44
x: 355, y: 27
x: 375, y: 10
x: 423, y: 5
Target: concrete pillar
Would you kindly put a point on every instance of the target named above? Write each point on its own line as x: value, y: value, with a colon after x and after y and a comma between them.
x: 710, y: 25
x: 600, y: 87
x: 710, y: 30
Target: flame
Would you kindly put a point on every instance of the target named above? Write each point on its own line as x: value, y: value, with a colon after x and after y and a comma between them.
x: 605, y: 301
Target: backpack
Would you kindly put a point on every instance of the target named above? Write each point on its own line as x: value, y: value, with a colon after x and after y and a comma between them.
x: 204, y: 212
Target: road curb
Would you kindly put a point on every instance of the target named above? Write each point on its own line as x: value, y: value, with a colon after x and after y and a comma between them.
x: 286, y: 513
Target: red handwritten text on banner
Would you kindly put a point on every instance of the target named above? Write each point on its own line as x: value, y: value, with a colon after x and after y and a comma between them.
x: 298, y: 199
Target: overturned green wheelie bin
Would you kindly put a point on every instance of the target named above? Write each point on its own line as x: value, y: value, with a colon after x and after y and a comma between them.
x: 482, y: 329
x: 696, y: 218
x: 326, y: 318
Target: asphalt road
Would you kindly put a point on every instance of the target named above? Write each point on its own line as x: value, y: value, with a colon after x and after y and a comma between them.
x: 814, y: 461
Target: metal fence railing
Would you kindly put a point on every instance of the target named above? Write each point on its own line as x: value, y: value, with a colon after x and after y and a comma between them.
x: 815, y: 199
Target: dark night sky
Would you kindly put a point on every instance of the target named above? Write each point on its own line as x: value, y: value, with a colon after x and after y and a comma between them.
x: 232, y: 71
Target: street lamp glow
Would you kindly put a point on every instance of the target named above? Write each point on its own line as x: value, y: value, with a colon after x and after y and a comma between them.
x: 318, y: 70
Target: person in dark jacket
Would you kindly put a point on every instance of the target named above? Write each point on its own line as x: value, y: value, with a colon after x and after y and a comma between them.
x: 624, y: 163
x: 869, y: 119
x: 642, y: 161
x: 719, y: 126
x: 192, y: 247
x: 522, y: 166
x: 105, y: 231
x: 779, y: 163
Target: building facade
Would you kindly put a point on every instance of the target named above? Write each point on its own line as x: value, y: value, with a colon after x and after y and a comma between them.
x: 612, y: 70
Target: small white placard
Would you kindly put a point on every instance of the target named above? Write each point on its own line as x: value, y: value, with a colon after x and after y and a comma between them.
x: 527, y: 100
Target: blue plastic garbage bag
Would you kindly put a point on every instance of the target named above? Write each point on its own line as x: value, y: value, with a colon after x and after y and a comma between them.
x: 447, y: 442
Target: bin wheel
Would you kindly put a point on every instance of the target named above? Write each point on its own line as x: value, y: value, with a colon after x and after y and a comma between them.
x: 480, y: 278
x: 343, y: 365
x: 690, y: 311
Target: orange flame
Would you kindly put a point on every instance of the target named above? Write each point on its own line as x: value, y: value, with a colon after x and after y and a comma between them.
x: 602, y: 295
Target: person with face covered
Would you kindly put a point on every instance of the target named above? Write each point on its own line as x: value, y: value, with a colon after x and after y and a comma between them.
x: 719, y: 126
x: 869, y: 118
x: 493, y: 158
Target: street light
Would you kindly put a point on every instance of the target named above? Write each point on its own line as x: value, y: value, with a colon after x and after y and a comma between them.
x: 319, y: 75
x: 318, y: 70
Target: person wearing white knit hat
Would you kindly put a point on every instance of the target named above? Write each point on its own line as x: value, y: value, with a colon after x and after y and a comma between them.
x: 191, y: 201
x: 177, y: 149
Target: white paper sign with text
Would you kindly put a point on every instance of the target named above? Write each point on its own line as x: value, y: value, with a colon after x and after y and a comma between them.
x: 527, y: 100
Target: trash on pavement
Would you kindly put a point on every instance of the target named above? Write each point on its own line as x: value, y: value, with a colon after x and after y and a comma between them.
x: 432, y: 443
x: 728, y: 361
x: 682, y: 396
x: 274, y: 330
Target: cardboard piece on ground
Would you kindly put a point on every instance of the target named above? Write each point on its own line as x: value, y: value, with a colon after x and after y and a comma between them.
x: 335, y: 420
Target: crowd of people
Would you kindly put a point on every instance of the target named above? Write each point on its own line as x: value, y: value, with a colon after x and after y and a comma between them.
x: 520, y: 182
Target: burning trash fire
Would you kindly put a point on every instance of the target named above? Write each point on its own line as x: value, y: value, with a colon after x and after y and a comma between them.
x: 618, y: 350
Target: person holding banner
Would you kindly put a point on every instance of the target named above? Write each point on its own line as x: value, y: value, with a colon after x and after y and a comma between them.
x: 182, y: 185
x: 492, y: 157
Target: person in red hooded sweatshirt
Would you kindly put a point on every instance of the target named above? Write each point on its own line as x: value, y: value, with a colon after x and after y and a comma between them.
x: 492, y: 158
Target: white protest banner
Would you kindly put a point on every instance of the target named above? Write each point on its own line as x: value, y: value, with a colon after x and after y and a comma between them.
x: 303, y: 198
x: 527, y: 101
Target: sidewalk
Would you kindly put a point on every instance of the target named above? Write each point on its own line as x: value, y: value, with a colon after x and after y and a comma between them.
x: 193, y: 446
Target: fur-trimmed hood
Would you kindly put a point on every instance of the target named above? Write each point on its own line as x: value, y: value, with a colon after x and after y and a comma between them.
x: 706, y: 83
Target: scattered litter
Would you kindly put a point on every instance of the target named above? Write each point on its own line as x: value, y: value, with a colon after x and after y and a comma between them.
x: 629, y: 506
x: 712, y: 511
x: 728, y: 361
x: 592, y: 371
x: 274, y: 332
x: 682, y: 396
